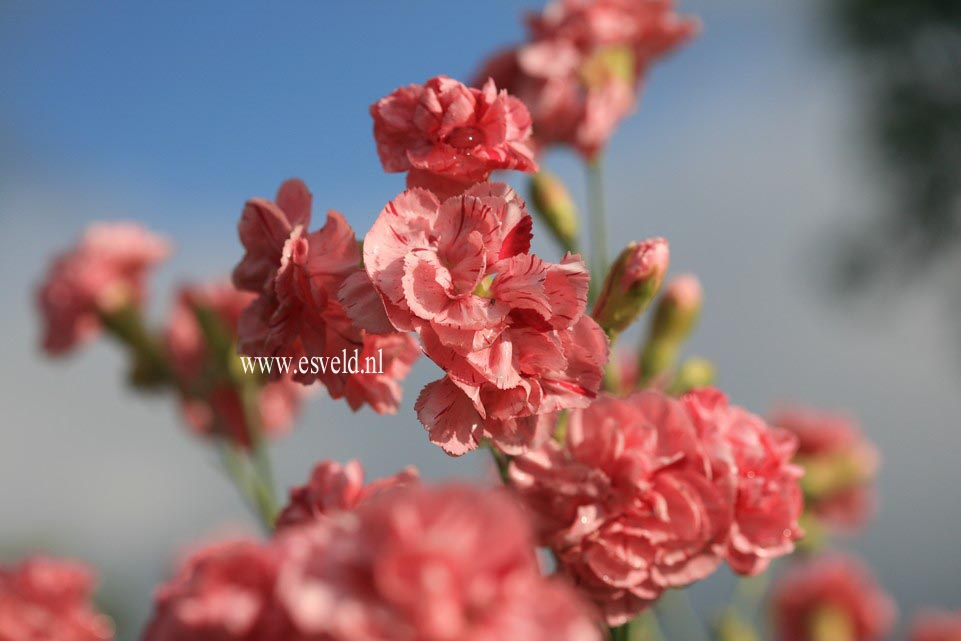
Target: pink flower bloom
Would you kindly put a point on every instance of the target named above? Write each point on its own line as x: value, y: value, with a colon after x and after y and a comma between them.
x: 840, y: 465
x: 507, y: 328
x: 224, y: 592
x: 936, y: 626
x: 629, y: 505
x: 834, y: 592
x: 393, y: 352
x: 444, y: 564
x: 333, y: 488
x: 755, y: 460
x: 583, y: 64
x: 104, y: 271
x: 44, y: 599
x: 211, y: 405
x: 297, y: 314
x: 449, y: 135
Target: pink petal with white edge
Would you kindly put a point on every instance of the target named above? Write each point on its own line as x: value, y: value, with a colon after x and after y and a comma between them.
x: 449, y: 416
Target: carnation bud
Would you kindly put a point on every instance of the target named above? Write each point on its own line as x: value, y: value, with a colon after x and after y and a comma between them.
x: 631, y: 284
x: 674, y: 318
x: 694, y: 373
x: 555, y: 205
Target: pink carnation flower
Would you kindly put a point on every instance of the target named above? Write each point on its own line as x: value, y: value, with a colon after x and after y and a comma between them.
x: 628, y: 505
x: 297, y: 313
x: 583, y: 64
x: 832, y: 592
x: 211, y: 405
x: 755, y: 460
x: 507, y: 328
x: 840, y: 465
x: 333, y: 488
x: 224, y: 591
x: 105, y: 270
x: 445, y: 564
x: 450, y: 136
x: 936, y: 626
x: 44, y: 599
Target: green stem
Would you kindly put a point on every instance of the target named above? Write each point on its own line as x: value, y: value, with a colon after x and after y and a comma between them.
x: 621, y: 632
x: 595, y: 195
x: 502, y: 461
x: 265, y: 494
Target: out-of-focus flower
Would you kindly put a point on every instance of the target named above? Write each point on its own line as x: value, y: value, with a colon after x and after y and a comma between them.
x: 105, y: 271
x: 45, y: 599
x: 507, y: 328
x: 631, y: 284
x: 755, y: 460
x: 226, y: 592
x: 554, y: 204
x: 420, y: 563
x: 629, y: 505
x: 201, y: 342
x: 831, y: 597
x: 584, y: 62
x: 839, y: 464
x: 936, y: 626
x: 333, y: 488
x: 297, y: 276
x: 456, y: 134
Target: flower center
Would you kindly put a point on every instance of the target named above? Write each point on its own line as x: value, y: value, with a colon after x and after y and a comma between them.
x: 465, y: 138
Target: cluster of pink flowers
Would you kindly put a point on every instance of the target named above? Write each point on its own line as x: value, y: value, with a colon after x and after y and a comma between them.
x: 583, y: 64
x: 45, y: 599
x: 508, y: 329
x: 297, y: 275
x: 836, y: 594
x: 103, y: 272
x: 417, y: 563
x: 638, y: 483
x: 649, y: 493
x: 839, y: 463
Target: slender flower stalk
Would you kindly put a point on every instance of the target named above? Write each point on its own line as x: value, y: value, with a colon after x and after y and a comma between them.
x: 595, y: 195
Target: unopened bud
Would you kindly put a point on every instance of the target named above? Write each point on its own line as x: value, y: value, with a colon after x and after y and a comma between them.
x: 556, y: 207
x: 674, y: 318
x: 678, y: 310
x: 694, y: 373
x: 631, y: 284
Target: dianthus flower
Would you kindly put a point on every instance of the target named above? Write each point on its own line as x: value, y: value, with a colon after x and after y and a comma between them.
x: 628, y: 504
x: 583, y: 64
x: 333, y: 488
x: 224, y: 591
x: 104, y: 271
x: 211, y: 403
x: 755, y: 458
x: 450, y: 136
x: 296, y: 314
x: 44, y: 599
x: 936, y: 626
x: 837, y: 596
x: 419, y: 564
x: 507, y: 328
x: 839, y: 466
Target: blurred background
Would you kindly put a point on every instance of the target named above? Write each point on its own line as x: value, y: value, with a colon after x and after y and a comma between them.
x: 803, y: 159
